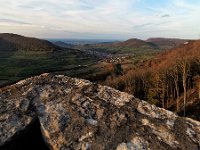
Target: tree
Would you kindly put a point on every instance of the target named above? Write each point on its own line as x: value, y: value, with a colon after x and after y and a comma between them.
x: 197, y: 81
x: 184, y: 64
x: 175, y: 76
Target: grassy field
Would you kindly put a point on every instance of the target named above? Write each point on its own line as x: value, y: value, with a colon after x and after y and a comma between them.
x: 106, y: 48
x: 17, y: 65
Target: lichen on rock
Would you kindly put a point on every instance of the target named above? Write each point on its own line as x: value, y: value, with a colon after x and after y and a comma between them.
x: 78, y: 114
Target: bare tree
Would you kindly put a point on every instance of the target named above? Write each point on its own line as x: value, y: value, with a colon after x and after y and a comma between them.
x: 175, y: 76
x: 184, y: 64
x: 197, y: 82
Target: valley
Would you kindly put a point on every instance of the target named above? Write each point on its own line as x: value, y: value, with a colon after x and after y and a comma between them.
x: 161, y: 73
x: 146, y: 69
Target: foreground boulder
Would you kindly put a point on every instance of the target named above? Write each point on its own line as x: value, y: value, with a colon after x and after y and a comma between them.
x: 77, y: 114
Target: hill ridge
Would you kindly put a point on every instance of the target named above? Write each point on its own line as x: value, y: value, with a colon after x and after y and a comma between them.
x: 27, y: 43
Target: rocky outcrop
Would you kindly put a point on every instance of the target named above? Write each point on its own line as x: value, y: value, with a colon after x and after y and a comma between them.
x: 77, y: 114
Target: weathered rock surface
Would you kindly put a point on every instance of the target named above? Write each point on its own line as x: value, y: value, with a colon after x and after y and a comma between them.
x: 77, y: 114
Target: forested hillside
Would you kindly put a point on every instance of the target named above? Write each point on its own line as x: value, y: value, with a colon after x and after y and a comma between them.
x: 166, y: 43
x: 170, y: 80
x: 17, y: 42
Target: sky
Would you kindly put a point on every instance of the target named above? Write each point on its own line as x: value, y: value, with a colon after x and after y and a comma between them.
x: 101, y: 19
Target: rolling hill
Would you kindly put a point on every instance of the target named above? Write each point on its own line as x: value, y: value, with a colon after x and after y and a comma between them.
x: 63, y: 44
x: 22, y: 57
x: 135, y: 43
x: 12, y: 42
x: 166, y: 43
x: 134, y: 46
x: 131, y: 46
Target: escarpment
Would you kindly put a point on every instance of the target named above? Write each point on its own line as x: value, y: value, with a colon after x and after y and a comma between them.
x: 77, y: 114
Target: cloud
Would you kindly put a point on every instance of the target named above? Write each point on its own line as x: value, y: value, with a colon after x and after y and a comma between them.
x: 165, y: 16
x: 143, y: 25
x: 98, y: 18
x: 10, y: 21
x: 161, y: 23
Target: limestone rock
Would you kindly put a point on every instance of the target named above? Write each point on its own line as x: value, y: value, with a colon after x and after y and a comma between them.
x: 16, y: 112
x: 77, y: 114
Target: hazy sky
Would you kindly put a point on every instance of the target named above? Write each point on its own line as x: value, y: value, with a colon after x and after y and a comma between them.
x: 101, y: 19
